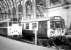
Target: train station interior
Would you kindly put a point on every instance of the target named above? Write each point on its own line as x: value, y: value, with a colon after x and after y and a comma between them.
x: 39, y: 22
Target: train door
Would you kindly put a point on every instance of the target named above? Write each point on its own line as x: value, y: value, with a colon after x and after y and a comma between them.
x: 42, y: 28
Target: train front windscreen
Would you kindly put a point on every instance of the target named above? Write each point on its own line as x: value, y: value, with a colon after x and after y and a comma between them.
x: 57, y: 24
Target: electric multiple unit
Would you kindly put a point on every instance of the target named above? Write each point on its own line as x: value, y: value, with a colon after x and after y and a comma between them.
x: 53, y: 27
x: 10, y: 28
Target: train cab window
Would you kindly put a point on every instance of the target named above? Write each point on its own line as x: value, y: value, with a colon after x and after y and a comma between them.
x: 57, y: 24
x: 27, y: 25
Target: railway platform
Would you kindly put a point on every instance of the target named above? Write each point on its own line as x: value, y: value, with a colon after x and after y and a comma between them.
x: 10, y: 44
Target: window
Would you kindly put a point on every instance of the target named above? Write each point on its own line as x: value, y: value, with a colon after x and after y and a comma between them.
x: 58, y: 24
x: 3, y: 24
x: 14, y: 20
x: 54, y: 3
x: 9, y: 13
x: 20, y: 8
x: 20, y: 11
x: 41, y: 2
x: 67, y: 2
x: 34, y: 25
x: 52, y: 24
x: 27, y: 25
x: 28, y: 8
x: 14, y: 11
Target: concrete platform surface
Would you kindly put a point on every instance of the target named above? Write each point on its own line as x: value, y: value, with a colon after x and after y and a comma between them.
x: 9, y: 44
